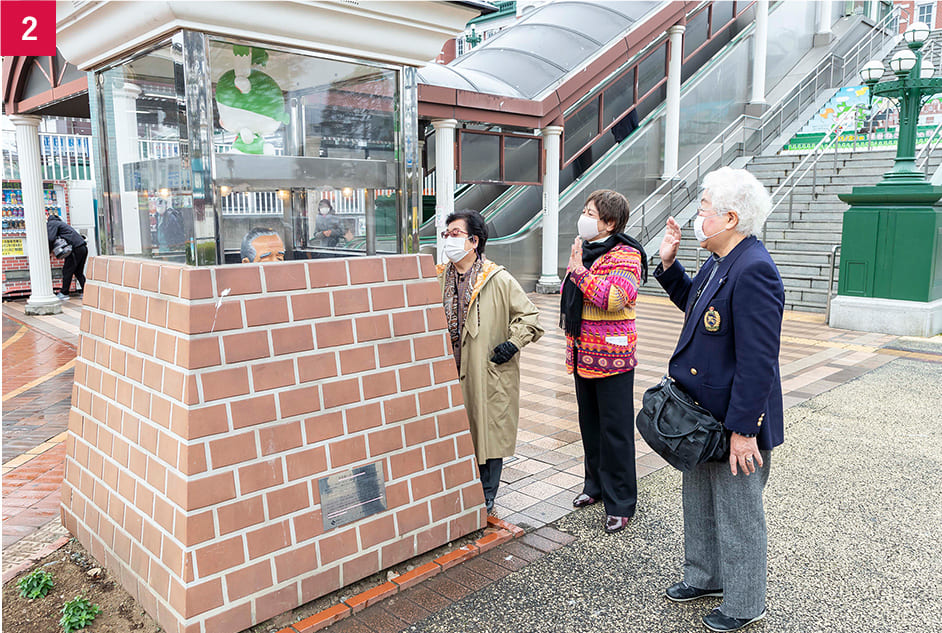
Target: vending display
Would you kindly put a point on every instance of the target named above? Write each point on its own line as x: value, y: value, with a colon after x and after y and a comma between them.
x: 15, y: 263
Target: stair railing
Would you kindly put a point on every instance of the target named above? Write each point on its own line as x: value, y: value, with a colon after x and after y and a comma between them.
x: 934, y: 140
x: 832, y: 264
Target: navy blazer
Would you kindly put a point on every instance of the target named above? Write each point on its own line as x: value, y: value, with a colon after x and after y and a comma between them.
x: 727, y: 355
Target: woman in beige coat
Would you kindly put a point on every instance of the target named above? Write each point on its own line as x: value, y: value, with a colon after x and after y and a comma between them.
x: 489, y: 319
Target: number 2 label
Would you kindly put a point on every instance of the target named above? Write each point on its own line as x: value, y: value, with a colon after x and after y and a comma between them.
x: 28, y: 28
x: 28, y: 33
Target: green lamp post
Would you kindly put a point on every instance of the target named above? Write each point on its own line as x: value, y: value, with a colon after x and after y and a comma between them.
x: 891, y: 243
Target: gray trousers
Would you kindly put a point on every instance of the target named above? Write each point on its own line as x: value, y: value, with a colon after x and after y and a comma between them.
x: 725, y: 539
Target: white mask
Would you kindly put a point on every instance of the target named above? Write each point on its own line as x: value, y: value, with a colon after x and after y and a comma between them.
x: 587, y: 227
x: 453, y: 247
x: 698, y: 229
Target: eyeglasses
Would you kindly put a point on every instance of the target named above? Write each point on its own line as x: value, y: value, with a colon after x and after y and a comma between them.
x: 704, y: 212
x: 454, y: 233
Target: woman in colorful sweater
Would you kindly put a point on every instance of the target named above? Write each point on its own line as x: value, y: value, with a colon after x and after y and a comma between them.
x: 598, y: 314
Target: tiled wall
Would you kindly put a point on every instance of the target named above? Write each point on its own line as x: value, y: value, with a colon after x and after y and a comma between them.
x: 200, y: 425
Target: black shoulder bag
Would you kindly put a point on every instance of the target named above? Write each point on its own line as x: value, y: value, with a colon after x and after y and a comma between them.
x: 680, y: 430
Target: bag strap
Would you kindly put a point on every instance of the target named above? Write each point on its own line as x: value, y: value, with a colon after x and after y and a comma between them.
x: 668, y: 383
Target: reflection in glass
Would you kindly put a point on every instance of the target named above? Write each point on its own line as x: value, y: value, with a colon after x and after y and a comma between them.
x: 722, y: 14
x: 619, y: 96
x: 521, y: 159
x: 480, y: 157
x: 580, y: 128
x: 652, y: 69
x: 697, y: 32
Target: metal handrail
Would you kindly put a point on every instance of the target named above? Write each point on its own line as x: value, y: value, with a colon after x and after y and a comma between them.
x: 832, y: 259
x: 934, y: 140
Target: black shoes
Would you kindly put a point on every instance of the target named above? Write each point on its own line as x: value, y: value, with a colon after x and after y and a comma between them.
x: 583, y: 500
x: 682, y: 592
x: 715, y: 620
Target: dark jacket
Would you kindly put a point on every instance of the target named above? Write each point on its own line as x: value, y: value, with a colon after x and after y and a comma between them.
x: 328, y: 222
x: 727, y: 355
x: 55, y: 227
x: 170, y: 229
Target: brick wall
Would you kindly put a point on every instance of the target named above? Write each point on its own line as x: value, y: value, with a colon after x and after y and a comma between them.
x: 200, y: 425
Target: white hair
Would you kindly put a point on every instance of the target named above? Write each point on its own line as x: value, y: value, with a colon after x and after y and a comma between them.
x: 738, y: 190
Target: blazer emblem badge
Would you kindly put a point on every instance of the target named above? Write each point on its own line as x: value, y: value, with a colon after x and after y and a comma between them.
x: 711, y: 320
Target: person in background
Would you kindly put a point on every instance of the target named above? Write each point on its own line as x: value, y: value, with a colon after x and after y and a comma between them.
x: 597, y: 312
x: 490, y: 319
x: 171, y: 234
x: 262, y: 245
x: 328, y: 228
x: 74, y: 263
x: 727, y: 360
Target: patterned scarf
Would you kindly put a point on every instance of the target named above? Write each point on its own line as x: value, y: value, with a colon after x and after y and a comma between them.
x: 450, y: 302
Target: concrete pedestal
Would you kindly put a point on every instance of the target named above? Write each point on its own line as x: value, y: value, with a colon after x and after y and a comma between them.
x: 887, y: 316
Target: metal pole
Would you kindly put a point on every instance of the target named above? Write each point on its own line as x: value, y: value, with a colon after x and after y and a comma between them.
x: 832, y: 256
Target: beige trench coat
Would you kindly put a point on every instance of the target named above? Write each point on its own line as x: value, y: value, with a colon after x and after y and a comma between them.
x: 499, y: 311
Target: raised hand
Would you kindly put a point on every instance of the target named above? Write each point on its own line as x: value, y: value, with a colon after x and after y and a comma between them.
x: 575, y: 255
x: 670, y: 243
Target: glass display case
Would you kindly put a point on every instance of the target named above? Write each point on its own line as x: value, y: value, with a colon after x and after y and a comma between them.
x: 210, y: 143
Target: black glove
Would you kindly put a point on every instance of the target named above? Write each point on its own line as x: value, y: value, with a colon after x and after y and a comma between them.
x: 504, y: 352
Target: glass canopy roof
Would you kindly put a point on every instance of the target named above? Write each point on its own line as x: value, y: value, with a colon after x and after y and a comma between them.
x: 540, y: 50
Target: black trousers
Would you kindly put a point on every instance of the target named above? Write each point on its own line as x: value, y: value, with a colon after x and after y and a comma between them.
x: 490, y: 479
x: 607, y: 422
x: 74, y: 264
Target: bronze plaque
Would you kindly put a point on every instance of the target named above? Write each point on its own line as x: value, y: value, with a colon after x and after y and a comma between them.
x: 350, y: 496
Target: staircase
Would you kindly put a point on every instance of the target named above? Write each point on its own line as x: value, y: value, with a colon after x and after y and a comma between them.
x: 801, y: 247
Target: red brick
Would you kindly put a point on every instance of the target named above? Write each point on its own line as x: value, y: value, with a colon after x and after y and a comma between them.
x: 234, y: 618
x: 468, y: 523
x: 268, y: 539
x: 145, y: 340
x: 401, y: 267
x: 492, y: 540
x: 273, y: 374
x: 233, y: 450
x: 433, y: 401
x: 327, y: 273
x: 398, y: 409
x: 196, y: 353
x: 446, y: 506
x: 436, y: 318
x: 347, y: 451
x: 122, y: 302
x: 412, y: 322
x: 460, y: 473
x: 351, y: 301
x: 308, y: 525
x: 324, y: 618
x: 372, y: 328
x: 169, y: 280
x: 157, y: 311
x: 452, y: 422
x: 310, y: 305
x: 196, y: 283
x: 431, y: 347
x: 241, y: 514
x: 255, y: 477
x: 417, y: 575
x: 219, y: 556
x: 449, y: 560
x: 361, y: 567
x: 405, y: 463
x: 285, y: 276
x: 366, y: 270
x: 363, y: 417
x: 306, y: 463
x: 464, y: 445
x: 296, y: 562
x: 424, y: 293
x: 301, y: 400
x: 225, y: 383
x: 426, y: 484
x: 377, y: 531
x: 288, y: 500
x: 280, y: 438
x: 288, y: 340
x: 337, y: 546
x: 192, y: 460
x: 432, y: 537
x: 203, y: 597
x: 394, y: 353
x: 323, y: 427
x: 205, y: 317
x: 266, y: 310
x: 275, y: 603
x: 357, y: 359
x: 439, y: 453
x: 317, y: 366
x: 241, y: 279
x: 245, y: 346
x: 371, y: 596
x: 207, y: 421
x: 379, y: 385
x: 385, y: 441
x: 414, y: 377
x: 387, y: 297
x: 106, y: 299
x: 249, y: 580
x: 165, y: 346
x: 131, y: 277
x: 341, y: 392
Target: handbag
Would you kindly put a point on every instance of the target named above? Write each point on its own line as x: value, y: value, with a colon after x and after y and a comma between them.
x: 678, y: 429
x: 61, y: 249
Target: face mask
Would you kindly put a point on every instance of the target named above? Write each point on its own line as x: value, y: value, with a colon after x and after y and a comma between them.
x: 587, y: 227
x: 453, y: 248
x: 323, y: 210
x: 698, y: 229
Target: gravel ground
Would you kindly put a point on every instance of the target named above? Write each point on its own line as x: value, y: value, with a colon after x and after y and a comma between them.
x: 854, y: 507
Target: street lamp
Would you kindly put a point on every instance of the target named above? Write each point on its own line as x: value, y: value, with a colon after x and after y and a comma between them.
x: 912, y: 85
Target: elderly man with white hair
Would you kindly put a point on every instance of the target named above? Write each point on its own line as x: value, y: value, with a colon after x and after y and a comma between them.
x: 727, y: 360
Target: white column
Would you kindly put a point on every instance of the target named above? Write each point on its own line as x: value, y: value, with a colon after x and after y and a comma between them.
x: 761, y: 48
x: 444, y: 177
x: 125, y: 132
x: 41, y: 299
x: 549, y: 279
x: 824, y: 35
x: 672, y: 107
